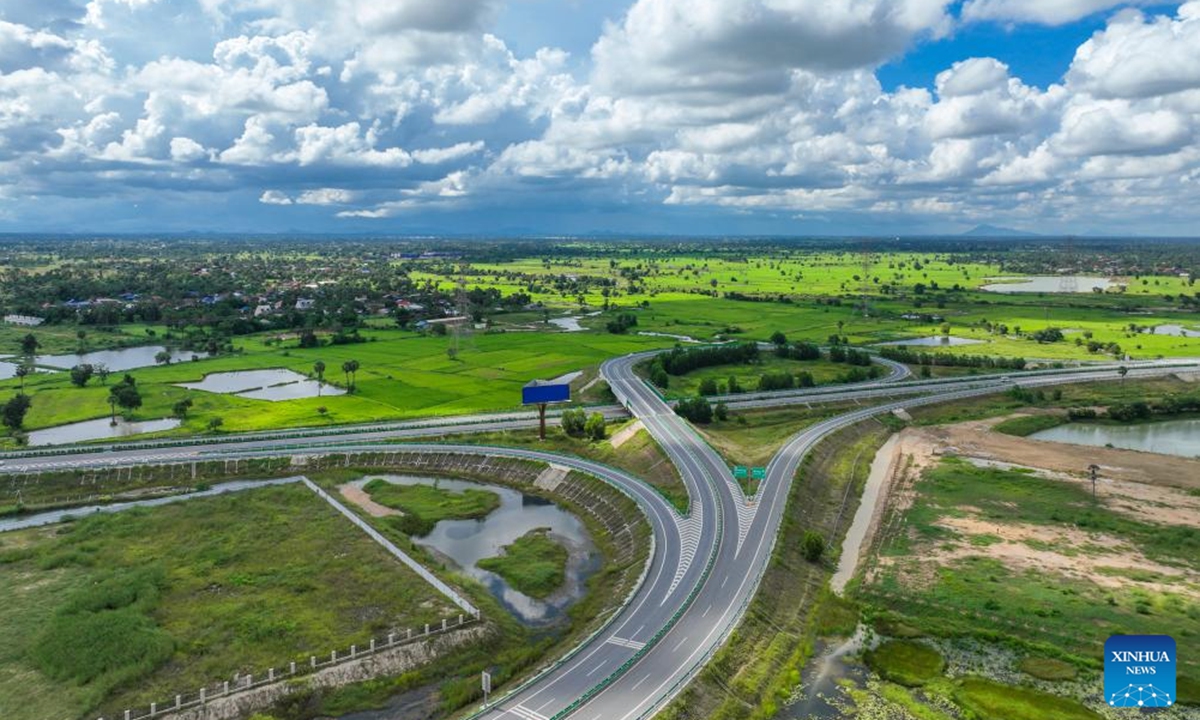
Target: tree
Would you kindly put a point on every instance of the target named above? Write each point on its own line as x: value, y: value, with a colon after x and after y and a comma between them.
x: 125, y: 394
x: 574, y: 422
x: 708, y: 386
x: 778, y: 339
x: 22, y: 370
x: 695, y: 409
x: 80, y: 374
x: 112, y: 408
x: 452, y: 353
x: 215, y: 423
x: 595, y: 427
x: 721, y: 411
x: 162, y: 357
x: 102, y: 372
x: 13, y: 411
x: 180, y: 409
x: 308, y: 339
x: 1122, y: 371
x: 812, y: 546
x: 349, y: 368
x: 322, y: 410
x: 319, y: 370
x: 29, y: 344
x: 734, y: 387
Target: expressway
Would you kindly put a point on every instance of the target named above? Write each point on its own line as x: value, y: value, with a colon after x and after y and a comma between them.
x: 704, y: 568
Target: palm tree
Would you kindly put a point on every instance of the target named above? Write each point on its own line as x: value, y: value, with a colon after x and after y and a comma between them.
x: 346, y: 373
x: 1122, y: 371
x: 112, y: 404
x: 319, y: 371
x: 354, y: 374
x: 22, y: 370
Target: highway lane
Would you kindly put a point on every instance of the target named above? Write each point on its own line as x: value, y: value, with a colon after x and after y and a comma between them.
x: 704, y: 569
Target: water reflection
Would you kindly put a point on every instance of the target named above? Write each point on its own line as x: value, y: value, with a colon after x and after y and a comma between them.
x: 1173, y: 437
x: 466, y: 542
x: 98, y: 430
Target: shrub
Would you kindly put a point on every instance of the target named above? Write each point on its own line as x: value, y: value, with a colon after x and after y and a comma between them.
x: 813, y: 546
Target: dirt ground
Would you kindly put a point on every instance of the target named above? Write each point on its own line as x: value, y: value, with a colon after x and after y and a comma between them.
x: 1151, y: 488
x: 359, y: 497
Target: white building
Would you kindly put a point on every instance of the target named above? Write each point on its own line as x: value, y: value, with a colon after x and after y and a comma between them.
x: 26, y: 320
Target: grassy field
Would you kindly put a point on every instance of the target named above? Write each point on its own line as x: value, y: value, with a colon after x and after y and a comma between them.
x: 402, y: 375
x: 116, y: 611
x: 752, y: 437
x: 425, y: 505
x: 947, y: 580
x: 534, y: 564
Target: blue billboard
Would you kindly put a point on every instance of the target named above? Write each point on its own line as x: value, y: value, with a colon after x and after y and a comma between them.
x: 545, y: 391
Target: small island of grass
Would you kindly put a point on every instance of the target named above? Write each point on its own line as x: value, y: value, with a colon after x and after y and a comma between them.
x: 424, y: 505
x: 535, y: 564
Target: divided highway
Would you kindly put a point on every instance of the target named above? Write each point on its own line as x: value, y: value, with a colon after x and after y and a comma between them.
x: 704, y: 568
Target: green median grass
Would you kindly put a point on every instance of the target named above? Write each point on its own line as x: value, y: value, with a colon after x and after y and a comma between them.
x: 534, y: 564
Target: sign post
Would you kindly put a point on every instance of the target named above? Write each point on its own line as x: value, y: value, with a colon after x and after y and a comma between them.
x: 486, y: 680
x: 541, y: 393
x: 739, y: 472
x: 759, y: 474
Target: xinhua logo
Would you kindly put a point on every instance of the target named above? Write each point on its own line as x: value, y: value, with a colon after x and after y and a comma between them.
x: 1139, y: 671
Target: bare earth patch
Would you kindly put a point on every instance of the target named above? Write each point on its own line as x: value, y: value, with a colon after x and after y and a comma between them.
x: 1017, y: 553
x: 359, y: 497
x: 1151, y: 488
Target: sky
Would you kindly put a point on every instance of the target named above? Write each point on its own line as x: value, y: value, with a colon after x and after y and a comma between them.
x: 575, y: 117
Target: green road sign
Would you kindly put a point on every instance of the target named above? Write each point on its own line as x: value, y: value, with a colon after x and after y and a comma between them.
x: 739, y: 472
x: 759, y: 473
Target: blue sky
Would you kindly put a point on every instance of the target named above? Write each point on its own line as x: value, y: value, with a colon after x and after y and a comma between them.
x: 505, y: 117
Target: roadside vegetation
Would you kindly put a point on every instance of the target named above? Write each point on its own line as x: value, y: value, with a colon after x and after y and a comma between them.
x: 534, y: 564
x: 639, y: 455
x: 754, y: 674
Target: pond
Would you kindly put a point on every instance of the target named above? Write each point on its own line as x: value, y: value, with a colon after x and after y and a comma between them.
x: 8, y: 370
x: 116, y: 360
x: 465, y: 542
x: 1048, y: 284
x: 1174, y: 331
x: 1172, y: 437
x: 934, y: 341
x: 99, y: 429
x: 276, y: 384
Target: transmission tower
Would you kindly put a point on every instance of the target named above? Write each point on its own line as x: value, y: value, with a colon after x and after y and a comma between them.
x: 462, y: 332
x: 865, y: 258
x: 1069, y: 283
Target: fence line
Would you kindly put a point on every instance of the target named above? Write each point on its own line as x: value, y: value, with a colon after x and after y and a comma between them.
x: 242, y: 683
x: 415, y: 566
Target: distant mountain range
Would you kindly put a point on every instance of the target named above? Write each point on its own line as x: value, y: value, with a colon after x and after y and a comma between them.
x: 993, y: 231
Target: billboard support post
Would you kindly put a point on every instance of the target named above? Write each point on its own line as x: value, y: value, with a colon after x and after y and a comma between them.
x: 541, y: 393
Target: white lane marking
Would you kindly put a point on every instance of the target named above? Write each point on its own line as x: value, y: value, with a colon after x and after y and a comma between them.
x: 622, y: 642
x: 639, y: 683
x: 524, y: 712
x: 705, y: 614
x: 593, y: 670
x: 725, y: 581
x: 679, y: 645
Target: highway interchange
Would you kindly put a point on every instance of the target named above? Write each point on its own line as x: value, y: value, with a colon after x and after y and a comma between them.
x: 704, y: 567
